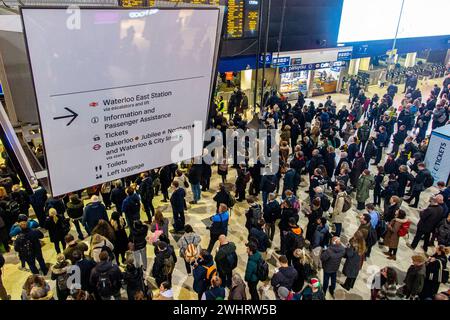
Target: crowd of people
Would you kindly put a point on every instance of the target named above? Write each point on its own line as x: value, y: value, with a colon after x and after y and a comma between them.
x: 335, y: 157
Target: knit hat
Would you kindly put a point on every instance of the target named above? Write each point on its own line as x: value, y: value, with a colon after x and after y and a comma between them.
x: 283, y: 293
x: 315, y: 282
x: 22, y: 217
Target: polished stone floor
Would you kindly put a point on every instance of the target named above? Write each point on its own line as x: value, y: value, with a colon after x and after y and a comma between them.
x: 198, y: 215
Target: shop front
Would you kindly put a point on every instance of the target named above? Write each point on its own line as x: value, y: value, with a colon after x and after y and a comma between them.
x: 312, y: 72
x: 311, y: 79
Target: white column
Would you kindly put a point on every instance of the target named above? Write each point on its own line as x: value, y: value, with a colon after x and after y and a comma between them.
x: 353, y: 67
x: 410, y: 60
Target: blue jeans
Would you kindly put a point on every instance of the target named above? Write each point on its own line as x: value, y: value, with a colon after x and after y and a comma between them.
x: 326, y: 279
x: 196, y: 191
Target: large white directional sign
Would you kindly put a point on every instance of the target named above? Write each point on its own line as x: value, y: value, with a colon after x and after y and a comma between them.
x: 112, y: 85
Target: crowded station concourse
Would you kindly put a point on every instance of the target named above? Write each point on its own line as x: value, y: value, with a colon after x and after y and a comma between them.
x: 351, y: 213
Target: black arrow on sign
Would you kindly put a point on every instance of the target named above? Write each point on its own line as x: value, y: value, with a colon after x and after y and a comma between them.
x: 73, y: 115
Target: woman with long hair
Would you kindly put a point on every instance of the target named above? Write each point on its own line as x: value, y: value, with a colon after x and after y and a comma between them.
x: 121, y: 245
x: 354, y: 253
x: 303, y: 263
x: 104, y: 229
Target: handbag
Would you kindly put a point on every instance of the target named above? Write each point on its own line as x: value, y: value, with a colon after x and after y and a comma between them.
x: 155, y: 235
x: 444, y: 274
x: 186, y: 184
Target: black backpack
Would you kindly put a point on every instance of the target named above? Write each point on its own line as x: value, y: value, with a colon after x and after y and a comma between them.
x: 326, y: 204
x: 13, y: 209
x: 108, y: 250
x: 104, y: 285
x: 255, y: 214
x: 24, y: 246
x: 62, y: 280
x: 232, y: 260
x: 262, y: 270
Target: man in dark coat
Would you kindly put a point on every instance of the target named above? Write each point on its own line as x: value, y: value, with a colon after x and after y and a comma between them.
x: 399, y: 139
x: 195, y: 176
x: 147, y: 193
x: 285, y: 277
x: 331, y: 261
x: 29, y: 247
x: 177, y: 202
x: 106, y: 279
x: 226, y: 260
x: 131, y: 207
x: 93, y: 213
x: 429, y: 219
x: 118, y: 195
x: 418, y: 184
x: 165, y: 178
x: 38, y: 199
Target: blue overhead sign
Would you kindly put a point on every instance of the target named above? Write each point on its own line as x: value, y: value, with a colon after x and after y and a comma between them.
x: 312, y: 66
x: 344, y: 56
x: 268, y: 58
x: 281, y: 61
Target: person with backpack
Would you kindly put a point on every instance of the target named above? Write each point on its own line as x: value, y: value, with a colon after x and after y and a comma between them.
x: 164, y: 263
x: 422, y: 181
x: 58, y: 227
x: 131, y: 206
x: 99, y: 244
x: 22, y: 198
x: 436, y: 273
x: 219, y: 225
x: 293, y: 239
x: 216, y: 291
x: 226, y: 260
x: 272, y: 212
x: 260, y: 237
x: 189, y: 245
x: 251, y: 271
x: 106, y: 279
x: 443, y: 232
x: 60, y: 273
x: 73, y: 245
x: 133, y: 278
x: 147, y: 193
x: 429, y: 219
x: 253, y: 214
x: 203, y: 271
x: 392, y: 236
x: 28, y: 246
x: 331, y: 260
x: 285, y: 276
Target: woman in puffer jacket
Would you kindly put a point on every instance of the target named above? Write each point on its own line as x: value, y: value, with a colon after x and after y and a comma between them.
x: 60, y: 275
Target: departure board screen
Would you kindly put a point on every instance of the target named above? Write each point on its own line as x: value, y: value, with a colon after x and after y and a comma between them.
x: 235, y: 19
x: 251, y: 18
x: 242, y: 16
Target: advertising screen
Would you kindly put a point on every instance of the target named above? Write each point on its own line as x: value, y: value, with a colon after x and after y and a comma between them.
x: 368, y: 20
x: 114, y: 88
